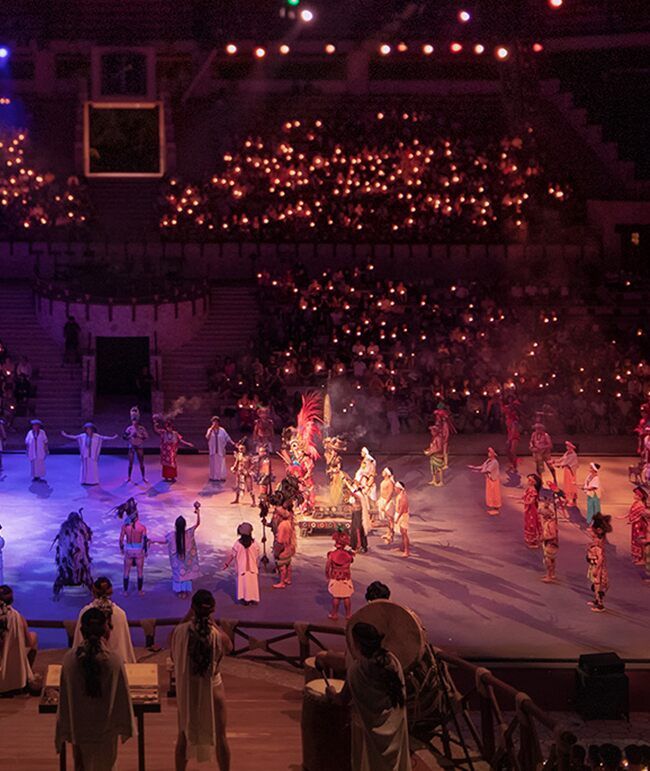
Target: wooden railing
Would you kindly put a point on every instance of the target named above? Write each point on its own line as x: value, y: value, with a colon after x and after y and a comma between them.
x: 482, y: 720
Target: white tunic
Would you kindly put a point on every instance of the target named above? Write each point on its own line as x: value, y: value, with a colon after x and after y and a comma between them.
x: 94, y: 723
x: 90, y: 448
x: 37, y: 450
x: 15, y: 671
x: 217, y: 443
x: 194, y: 697
x: 120, y: 639
x: 248, y: 587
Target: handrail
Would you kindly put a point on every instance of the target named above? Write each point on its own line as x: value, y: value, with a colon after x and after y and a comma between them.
x: 505, y: 737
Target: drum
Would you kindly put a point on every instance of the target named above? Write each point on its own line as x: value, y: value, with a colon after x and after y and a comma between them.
x: 335, y: 667
x: 403, y: 633
x: 325, y: 728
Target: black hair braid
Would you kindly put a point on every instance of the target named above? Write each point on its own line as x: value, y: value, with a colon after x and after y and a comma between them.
x: 389, y: 677
x: 90, y: 653
x: 200, y: 646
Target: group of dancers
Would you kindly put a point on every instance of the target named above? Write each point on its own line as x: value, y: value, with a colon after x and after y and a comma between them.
x: 544, y: 506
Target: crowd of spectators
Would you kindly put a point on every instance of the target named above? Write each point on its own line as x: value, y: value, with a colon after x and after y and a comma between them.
x: 389, y: 352
x: 363, y: 174
x: 33, y: 201
x: 16, y: 385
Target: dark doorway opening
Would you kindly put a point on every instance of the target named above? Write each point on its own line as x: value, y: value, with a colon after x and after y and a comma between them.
x: 122, y: 366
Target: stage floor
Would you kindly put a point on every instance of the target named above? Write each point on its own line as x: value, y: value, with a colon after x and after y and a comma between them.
x: 471, y: 579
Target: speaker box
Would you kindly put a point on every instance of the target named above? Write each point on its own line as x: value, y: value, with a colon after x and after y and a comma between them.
x: 602, y: 697
x: 601, y: 664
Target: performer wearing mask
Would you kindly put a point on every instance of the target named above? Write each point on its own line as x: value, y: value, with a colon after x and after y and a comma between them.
x: 218, y: 441
x: 119, y: 640
x: 136, y: 435
x: 94, y: 702
x: 73, y: 554
x: 37, y: 449
x: 90, y: 446
x: 242, y: 468
x: 198, y: 645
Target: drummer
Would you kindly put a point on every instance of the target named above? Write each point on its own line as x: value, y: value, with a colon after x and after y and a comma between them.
x: 376, y: 691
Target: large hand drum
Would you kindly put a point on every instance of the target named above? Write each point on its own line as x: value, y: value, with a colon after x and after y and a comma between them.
x: 403, y: 633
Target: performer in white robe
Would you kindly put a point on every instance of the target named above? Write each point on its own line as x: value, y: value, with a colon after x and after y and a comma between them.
x: 246, y: 554
x: 218, y: 441
x: 17, y: 646
x: 90, y: 447
x: 375, y: 689
x: 93, y: 710
x: 37, y: 449
x: 119, y: 640
x: 197, y: 647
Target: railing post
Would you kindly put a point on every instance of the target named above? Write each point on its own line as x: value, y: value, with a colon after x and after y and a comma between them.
x: 302, y: 630
x: 487, y: 715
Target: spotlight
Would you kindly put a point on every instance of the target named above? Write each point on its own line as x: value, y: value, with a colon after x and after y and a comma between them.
x: 555, y: 3
x: 427, y: 49
x: 293, y: 3
x: 502, y: 53
x: 330, y: 48
x: 537, y: 47
x: 464, y: 16
x: 231, y: 49
x: 384, y: 49
x: 284, y: 49
x: 401, y: 47
x: 456, y: 48
x: 479, y: 48
x: 260, y: 52
x: 4, y: 52
x: 306, y: 15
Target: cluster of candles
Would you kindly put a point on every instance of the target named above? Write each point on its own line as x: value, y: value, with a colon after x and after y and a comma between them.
x: 32, y: 199
x: 395, y: 175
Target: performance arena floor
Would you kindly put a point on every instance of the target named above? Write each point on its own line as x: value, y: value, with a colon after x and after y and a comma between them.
x: 471, y: 579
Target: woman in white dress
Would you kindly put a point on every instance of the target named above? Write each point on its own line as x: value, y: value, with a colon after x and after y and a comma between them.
x: 246, y: 553
x: 197, y: 647
x: 90, y: 447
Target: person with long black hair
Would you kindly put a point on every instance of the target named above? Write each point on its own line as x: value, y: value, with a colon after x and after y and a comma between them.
x: 198, y: 644
x: 183, y: 553
x: 94, y: 701
x: 375, y: 689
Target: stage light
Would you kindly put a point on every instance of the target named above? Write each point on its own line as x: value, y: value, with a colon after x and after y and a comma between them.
x: 479, y: 48
x: 4, y: 52
x: 401, y: 47
x: 284, y: 49
x: 464, y: 16
x: 293, y: 3
x: 456, y: 48
x: 330, y: 48
x: 231, y: 49
x: 555, y: 3
x: 537, y: 47
x: 502, y: 53
x: 260, y: 52
x: 384, y: 49
x: 427, y: 49
x: 306, y: 15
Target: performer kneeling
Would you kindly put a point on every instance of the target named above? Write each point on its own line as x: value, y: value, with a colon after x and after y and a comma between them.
x: 73, y: 554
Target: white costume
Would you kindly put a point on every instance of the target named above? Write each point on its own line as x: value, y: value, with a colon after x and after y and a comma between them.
x: 15, y: 671
x: 37, y: 450
x: 367, y: 474
x: 120, y: 638
x: 380, y: 739
x: 248, y: 588
x: 90, y: 448
x: 194, y: 697
x: 94, y: 723
x: 218, y: 440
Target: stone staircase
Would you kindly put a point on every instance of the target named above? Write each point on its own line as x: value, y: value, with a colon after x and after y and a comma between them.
x: 58, y: 386
x: 227, y: 330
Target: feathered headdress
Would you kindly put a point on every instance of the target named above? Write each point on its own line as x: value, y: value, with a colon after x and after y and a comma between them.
x: 308, y: 422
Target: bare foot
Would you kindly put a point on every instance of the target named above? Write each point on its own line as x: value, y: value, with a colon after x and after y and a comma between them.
x: 281, y: 585
x: 333, y: 616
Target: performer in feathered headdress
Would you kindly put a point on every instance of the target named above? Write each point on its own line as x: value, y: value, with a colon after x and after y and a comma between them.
x: 73, y: 554
x: 300, y: 452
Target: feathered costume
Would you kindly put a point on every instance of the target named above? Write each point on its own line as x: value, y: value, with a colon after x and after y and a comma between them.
x: 73, y: 554
x: 299, y: 451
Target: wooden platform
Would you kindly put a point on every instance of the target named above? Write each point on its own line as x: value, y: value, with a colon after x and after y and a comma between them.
x: 264, y: 705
